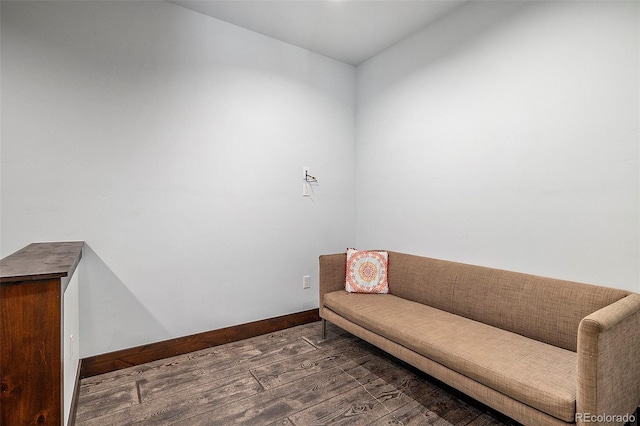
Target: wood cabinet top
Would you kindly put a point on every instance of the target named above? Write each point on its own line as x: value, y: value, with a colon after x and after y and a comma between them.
x: 41, y: 261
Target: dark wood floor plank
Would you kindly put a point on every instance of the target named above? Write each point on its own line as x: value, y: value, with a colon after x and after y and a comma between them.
x: 371, y: 367
x: 225, y: 386
x: 172, y: 405
x: 279, y: 402
x: 218, y: 369
x: 292, y: 377
x: 356, y: 407
x: 334, y: 334
x: 220, y: 357
x: 107, y: 400
x: 484, y: 419
x: 351, y: 347
x: 281, y: 422
x: 292, y: 369
x: 453, y: 410
x: 412, y: 414
x: 388, y: 393
x: 379, y: 382
x: 129, y: 357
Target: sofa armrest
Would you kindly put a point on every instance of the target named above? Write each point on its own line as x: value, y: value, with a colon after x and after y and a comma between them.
x: 609, y: 362
x: 332, y: 274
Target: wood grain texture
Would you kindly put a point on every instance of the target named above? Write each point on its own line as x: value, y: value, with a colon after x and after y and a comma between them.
x: 113, y: 361
x: 288, y: 377
x: 30, y: 354
x: 41, y: 261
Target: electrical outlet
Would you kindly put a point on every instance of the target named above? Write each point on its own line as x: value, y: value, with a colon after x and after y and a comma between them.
x: 306, y: 281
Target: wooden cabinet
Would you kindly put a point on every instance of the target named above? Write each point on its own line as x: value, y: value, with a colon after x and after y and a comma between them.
x: 32, y: 285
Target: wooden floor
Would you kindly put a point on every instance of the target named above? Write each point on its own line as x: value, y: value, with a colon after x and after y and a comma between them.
x: 286, y: 378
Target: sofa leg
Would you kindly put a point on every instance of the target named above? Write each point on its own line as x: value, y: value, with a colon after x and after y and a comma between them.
x: 324, y: 328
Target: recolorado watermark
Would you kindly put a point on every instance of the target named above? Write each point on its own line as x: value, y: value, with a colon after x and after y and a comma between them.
x: 605, y: 418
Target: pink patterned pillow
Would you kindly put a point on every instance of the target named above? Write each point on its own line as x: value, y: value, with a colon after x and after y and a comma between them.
x: 367, y: 271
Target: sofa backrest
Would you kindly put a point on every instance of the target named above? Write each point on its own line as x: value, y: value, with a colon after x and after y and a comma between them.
x: 545, y: 309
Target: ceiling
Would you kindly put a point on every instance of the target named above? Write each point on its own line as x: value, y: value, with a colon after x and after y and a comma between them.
x: 350, y: 31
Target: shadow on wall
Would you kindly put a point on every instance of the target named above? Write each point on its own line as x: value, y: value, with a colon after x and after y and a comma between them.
x: 107, y: 307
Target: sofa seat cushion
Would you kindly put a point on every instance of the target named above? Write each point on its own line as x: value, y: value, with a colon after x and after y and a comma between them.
x: 535, y: 373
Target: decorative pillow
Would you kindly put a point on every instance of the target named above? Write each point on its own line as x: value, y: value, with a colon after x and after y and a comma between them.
x: 367, y: 271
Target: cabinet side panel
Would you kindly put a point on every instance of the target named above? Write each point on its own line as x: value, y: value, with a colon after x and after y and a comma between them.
x: 70, y: 343
x: 30, y: 349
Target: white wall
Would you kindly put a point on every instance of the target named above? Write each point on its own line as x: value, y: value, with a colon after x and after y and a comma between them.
x: 507, y: 135
x: 173, y: 144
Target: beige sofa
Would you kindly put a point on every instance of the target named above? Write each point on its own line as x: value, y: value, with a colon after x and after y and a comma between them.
x: 540, y: 350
